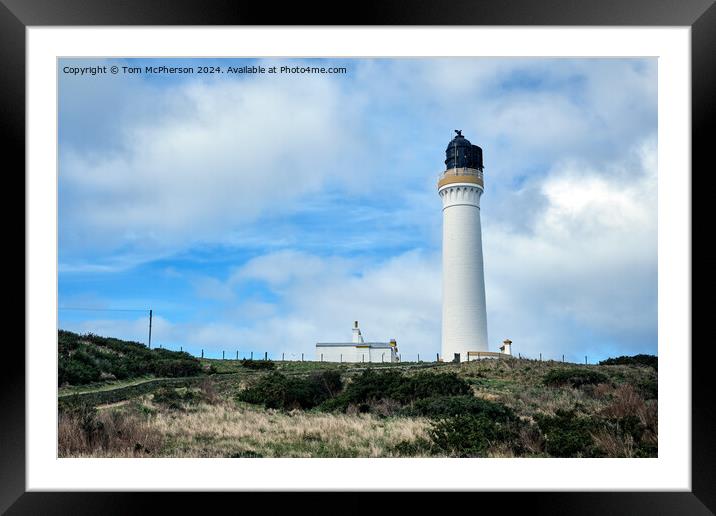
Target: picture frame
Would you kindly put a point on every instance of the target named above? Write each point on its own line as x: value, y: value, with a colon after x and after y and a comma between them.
x: 700, y: 15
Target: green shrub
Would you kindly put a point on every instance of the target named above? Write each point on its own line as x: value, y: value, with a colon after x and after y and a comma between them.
x: 76, y: 372
x: 471, y: 435
x: 278, y: 391
x: 416, y: 448
x: 574, y: 377
x: 175, y: 399
x: 446, y: 406
x: 425, y: 385
x: 392, y: 385
x: 648, y: 387
x: 568, y: 434
x: 258, y: 364
x: 643, y: 360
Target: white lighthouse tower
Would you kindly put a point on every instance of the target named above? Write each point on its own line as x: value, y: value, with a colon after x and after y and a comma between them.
x: 464, y: 325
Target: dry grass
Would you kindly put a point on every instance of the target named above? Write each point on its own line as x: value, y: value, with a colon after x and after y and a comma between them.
x: 627, y: 402
x: 227, y: 430
x: 613, y: 444
x: 224, y: 429
x: 109, y: 433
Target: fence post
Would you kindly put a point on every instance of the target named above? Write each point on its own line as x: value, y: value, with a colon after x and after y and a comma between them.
x: 252, y: 355
x: 562, y: 358
x: 519, y: 355
x: 282, y: 357
x: 223, y: 355
x: 418, y: 357
x: 382, y: 357
x: 202, y: 353
x: 341, y: 358
x: 585, y: 359
x: 265, y: 355
x: 180, y: 349
x: 301, y: 357
x: 321, y: 357
x: 150, y: 329
x: 437, y: 357
x: 540, y: 357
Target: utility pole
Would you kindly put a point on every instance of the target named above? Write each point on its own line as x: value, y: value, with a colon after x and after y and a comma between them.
x: 150, y: 328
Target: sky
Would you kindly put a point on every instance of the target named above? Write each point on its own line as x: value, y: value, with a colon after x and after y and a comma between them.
x: 259, y: 212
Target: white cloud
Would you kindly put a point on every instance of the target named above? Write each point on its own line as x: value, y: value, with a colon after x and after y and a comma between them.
x: 589, y: 263
x: 200, y: 162
x: 217, y: 156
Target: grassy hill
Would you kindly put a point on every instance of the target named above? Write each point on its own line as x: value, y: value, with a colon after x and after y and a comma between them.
x: 487, y: 408
x: 88, y: 359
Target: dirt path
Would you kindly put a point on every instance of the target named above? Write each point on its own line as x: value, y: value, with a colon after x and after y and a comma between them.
x: 112, y: 405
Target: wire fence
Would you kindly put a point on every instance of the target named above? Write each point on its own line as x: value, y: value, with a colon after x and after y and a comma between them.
x: 239, y: 354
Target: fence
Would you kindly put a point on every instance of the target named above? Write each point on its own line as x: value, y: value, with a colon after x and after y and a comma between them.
x: 236, y: 354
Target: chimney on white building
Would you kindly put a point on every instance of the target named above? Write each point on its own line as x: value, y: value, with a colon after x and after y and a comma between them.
x: 506, y: 347
x: 357, y: 337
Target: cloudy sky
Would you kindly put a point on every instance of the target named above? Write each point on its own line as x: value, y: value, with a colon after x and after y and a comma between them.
x: 267, y: 212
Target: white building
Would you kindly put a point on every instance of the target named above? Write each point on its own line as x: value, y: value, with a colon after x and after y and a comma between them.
x: 506, y: 347
x: 358, y: 350
x: 464, y: 323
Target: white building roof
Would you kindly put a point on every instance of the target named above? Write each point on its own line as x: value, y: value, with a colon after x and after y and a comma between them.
x: 381, y: 345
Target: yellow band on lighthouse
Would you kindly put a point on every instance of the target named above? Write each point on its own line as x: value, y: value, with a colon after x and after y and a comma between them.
x: 448, y: 180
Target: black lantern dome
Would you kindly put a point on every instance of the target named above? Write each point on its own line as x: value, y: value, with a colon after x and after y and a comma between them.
x: 460, y: 153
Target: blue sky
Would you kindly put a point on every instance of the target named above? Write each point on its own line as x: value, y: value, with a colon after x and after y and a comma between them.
x: 266, y: 212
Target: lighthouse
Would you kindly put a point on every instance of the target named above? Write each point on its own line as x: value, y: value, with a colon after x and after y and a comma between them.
x: 464, y: 323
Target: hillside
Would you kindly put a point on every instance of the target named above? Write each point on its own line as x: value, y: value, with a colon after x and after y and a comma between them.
x: 490, y: 408
x: 87, y: 359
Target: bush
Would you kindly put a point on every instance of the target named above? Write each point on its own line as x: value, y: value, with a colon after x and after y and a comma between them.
x: 371, y: 386
x: 265, y: 365
x: 175, y: 399
x: 568, y: 434
x: 471, y: 435
x: 413, y: 448
x: 446, y: 406
x: 426, y: 385
x: 649, y: 388
x: 281, y: 392
x: 643, y: 360
x: 575, y: 377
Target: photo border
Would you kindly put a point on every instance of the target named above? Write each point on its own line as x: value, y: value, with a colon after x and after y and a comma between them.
x: 700, y: 15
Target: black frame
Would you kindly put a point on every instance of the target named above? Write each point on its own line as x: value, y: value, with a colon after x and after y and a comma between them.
x: 700, y: 15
